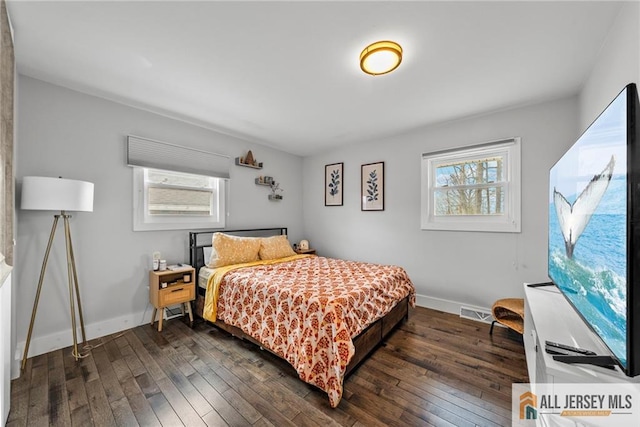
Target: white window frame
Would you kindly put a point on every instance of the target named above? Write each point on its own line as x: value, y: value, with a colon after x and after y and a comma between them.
x: 142, y: 221
x: 509, y: 222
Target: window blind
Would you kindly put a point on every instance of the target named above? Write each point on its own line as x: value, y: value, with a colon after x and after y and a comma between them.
x: 148, y: 153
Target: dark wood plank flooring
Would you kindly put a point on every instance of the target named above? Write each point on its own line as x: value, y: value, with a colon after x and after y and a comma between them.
x: 435, y: 369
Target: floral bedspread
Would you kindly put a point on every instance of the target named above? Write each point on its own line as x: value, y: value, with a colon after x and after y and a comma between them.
x: 307, y: 309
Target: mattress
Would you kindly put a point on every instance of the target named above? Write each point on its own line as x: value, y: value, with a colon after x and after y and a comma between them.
x: 203, y: 276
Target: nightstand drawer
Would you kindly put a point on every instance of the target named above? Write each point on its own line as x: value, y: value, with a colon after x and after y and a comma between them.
x: 176, y: 294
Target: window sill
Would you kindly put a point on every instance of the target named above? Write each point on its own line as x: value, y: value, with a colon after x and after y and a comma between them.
x: 503, y: 227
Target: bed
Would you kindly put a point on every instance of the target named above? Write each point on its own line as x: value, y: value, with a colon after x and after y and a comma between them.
x: 322, y: 315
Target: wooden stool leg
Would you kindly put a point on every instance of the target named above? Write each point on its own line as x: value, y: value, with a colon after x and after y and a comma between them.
x: 161, y: 319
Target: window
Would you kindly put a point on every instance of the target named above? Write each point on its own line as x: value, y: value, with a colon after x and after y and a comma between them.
x: 176, y: 187
x: 473, y: 188
x: 167, y: 200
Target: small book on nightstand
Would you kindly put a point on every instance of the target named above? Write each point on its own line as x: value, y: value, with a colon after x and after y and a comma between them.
x: 179, y: 267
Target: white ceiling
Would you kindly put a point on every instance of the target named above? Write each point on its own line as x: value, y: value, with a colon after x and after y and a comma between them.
x: 286, y: 74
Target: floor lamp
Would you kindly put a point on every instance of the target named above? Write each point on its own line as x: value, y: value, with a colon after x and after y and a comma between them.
x: 63, y: 195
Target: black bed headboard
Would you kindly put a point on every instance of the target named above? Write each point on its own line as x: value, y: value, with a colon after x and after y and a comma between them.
x: 201, y: 239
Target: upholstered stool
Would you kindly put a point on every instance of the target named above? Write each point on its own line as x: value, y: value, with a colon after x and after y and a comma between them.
x: 509, y: 312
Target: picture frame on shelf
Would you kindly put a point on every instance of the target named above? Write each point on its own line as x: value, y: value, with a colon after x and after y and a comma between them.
x: 333, y: 184
x: 372, y: 187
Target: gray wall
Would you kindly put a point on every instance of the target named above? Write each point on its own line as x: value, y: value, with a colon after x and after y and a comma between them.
x: 618, y: 64
x: 448, y: 268
x: 77, y: 136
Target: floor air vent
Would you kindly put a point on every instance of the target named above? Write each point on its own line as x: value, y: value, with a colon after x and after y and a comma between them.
x: 481, y: 315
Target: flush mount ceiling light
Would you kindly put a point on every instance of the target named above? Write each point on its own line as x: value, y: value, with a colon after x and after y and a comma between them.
x: 380, y: 57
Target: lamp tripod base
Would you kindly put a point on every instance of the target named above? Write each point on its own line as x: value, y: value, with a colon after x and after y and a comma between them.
x: 74, y: 290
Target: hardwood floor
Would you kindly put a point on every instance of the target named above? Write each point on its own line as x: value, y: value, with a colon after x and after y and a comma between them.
x: 435, y: 369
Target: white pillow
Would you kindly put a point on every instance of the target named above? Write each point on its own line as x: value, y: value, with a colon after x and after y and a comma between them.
x: 208, y: 251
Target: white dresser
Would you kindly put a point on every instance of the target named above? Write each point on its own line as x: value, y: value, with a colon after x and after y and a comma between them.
x: 548, y: 316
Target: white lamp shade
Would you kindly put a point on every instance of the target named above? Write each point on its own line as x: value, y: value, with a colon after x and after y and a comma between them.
x: 56, y: 194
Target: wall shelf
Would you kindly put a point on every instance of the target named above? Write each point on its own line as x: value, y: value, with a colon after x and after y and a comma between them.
x: 272, y: 185
x: 246, y: 165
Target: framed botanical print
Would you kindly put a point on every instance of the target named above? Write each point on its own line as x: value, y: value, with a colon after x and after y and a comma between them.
x: 372, y: 187
x: 333, y: 179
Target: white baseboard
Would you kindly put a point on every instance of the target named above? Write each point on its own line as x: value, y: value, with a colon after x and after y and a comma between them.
x: 440, y: 304
x: 15, y: 369
x: 47, y: 343
x: 445, y: 305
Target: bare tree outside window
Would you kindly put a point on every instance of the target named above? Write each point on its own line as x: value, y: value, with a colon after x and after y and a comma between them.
x: 471, y: 187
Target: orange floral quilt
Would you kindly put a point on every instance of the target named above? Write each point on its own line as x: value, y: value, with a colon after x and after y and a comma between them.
x: 307, y: 309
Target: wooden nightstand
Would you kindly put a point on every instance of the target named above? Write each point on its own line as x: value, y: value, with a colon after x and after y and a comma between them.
x: 306, y: 251
x: 177, y: 291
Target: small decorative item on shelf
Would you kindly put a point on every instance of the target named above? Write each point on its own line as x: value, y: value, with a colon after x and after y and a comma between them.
x: 249, y: 158
x: 264, y: 180
x: 156, y: 260
x: 275, y: 191
x: 248, y: 161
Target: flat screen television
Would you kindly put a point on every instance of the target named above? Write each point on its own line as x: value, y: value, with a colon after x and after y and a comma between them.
x: 594, y: 228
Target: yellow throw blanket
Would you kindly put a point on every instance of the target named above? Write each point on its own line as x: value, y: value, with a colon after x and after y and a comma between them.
x: 210, y: 311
